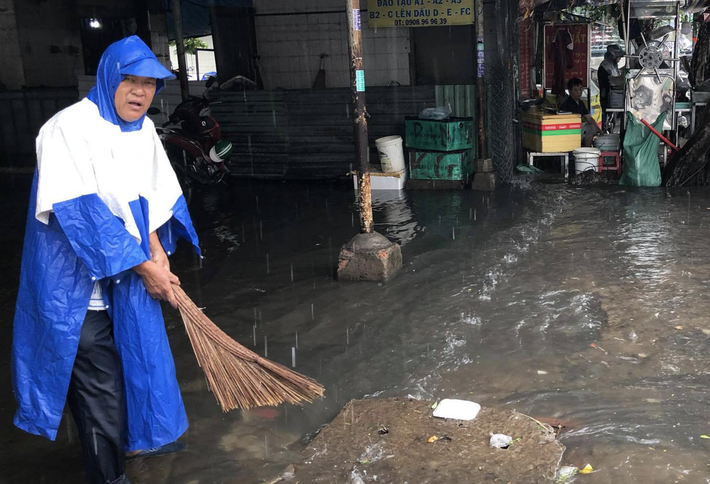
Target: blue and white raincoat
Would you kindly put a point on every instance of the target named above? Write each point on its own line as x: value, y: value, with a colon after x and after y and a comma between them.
x: 102, y: 185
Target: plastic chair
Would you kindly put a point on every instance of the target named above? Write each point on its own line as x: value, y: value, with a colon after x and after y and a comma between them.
x: 604, y: 155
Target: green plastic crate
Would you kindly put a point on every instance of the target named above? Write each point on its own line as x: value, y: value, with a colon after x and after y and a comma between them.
x: 436, y: 165
x: 452, y: 134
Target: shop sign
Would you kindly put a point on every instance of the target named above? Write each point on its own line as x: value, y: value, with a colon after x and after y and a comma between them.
x: 419, y: 13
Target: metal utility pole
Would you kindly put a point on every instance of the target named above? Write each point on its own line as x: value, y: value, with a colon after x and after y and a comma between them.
x: 179, y: 42
x: 480, y: 85
x: 357, y: 83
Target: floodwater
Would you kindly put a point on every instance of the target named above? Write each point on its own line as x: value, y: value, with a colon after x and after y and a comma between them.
x: 584, y: 306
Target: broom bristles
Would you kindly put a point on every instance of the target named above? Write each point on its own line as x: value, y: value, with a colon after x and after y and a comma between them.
x: 238, y: 377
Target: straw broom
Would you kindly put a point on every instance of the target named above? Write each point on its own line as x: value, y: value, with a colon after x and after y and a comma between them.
x: 238, y: 377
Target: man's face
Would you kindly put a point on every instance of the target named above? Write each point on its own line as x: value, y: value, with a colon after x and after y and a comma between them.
x: 133, y: 97
x: 576, y: 93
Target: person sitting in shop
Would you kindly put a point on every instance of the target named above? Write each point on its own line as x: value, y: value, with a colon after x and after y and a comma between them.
x: 574, y: 104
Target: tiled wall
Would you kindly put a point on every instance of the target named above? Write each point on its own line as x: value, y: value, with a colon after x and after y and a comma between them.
x: 291, y: 35
x: 50, y: 43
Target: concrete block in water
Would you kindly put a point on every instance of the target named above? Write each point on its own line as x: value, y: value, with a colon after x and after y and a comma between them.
x: 369, y: 257
x: 483, y: 165
x: 485, y: 182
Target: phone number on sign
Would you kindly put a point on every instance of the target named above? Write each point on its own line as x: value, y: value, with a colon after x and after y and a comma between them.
x: 423, y: 21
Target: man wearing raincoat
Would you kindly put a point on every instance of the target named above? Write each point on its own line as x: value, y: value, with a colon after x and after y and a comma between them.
x: 105, y: 212
x: 609, y: 68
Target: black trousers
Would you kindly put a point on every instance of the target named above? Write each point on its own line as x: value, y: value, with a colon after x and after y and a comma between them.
x: 96, y: 400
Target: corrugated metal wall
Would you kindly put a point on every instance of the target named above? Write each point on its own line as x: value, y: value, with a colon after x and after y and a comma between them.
x: 462, y: 100
x: 304, y: 134
x: 290, y: 134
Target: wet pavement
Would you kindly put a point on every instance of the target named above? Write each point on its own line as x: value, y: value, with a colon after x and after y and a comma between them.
x: 583, y: 306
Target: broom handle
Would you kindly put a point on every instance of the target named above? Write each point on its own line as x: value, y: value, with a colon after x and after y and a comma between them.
x: 663, y: 138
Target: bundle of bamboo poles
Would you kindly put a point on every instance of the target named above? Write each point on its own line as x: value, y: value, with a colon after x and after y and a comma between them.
x: 238, y: 377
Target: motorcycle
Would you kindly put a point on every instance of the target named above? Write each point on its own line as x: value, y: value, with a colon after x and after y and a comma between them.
x: 192, y: 140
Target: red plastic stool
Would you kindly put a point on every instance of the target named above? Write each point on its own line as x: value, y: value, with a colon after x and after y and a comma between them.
x: 617, y: 161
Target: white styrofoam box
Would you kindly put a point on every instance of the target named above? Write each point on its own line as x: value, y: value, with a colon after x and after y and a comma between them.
x: 384, y: 181
x: 457, y: 409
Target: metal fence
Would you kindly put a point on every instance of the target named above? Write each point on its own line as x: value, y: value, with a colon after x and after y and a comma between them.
x: 501, y: 132
x: 502, y: 78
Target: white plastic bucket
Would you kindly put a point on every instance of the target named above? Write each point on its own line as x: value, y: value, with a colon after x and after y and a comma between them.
x: 391, y: 155
x: 586, y: 159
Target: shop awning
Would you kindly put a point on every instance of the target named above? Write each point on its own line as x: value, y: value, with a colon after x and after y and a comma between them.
x: 688, y: 6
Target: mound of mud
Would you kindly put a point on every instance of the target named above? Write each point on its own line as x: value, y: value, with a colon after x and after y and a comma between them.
x: 590, y: 177
x: 387, y: 441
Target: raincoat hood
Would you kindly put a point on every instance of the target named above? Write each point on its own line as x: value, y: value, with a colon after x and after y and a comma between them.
x: 129, y: 56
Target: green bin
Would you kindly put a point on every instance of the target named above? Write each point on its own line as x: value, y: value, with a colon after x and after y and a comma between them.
x: 451, y: 134
x: 437, y: 165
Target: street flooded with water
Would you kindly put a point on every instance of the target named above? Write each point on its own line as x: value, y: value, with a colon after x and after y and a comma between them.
x: 586, y: 307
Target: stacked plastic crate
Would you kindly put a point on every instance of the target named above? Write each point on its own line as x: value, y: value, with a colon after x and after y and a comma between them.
x: 440, y: 153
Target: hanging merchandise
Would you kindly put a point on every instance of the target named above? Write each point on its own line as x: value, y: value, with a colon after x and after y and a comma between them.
x: 566, y: 55
x: 561, y: 52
